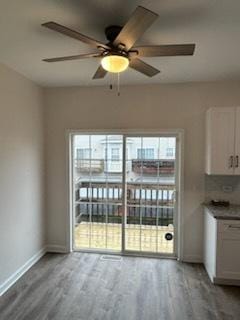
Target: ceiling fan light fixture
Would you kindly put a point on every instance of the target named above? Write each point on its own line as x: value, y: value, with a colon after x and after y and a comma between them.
x: 120, y: 51
x: 115, y: 63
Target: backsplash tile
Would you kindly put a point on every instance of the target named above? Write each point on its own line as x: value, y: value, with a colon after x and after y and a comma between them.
x: 214, y: 188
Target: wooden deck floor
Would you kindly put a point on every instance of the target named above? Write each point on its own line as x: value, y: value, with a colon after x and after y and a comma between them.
x: 108, y: 236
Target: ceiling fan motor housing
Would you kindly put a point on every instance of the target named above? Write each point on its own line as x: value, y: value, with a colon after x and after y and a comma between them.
x: 112, y: 32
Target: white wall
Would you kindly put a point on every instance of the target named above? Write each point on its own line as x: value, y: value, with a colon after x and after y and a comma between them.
x: 22, y: 201
x: 143, y: 107
x: 22, y: 217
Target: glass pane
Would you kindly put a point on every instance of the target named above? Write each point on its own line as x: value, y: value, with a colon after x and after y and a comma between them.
x: 150, y: 179
x: 98, y: 191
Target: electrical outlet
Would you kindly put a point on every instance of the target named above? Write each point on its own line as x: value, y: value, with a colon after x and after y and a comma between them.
x: 227, y: 188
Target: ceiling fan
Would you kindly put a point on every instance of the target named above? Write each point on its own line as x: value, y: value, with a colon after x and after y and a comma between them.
x: 119, y: 52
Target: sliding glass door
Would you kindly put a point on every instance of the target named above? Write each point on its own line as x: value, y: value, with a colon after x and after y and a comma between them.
x: 97, y: 182
x: 150, y: 184
x: 124, y: 193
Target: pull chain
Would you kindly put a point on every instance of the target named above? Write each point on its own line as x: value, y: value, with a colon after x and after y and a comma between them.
x: 118, y: 85
x: 111, y: 82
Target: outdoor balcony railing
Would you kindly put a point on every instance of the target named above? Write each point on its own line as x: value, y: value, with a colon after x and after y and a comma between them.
x: 95, y: 166
x: 150, y: 205
x: 137, y: 166
x: 153, y: 166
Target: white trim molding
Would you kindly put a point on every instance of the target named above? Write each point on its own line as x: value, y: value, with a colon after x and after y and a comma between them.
x: 192, y: 259
x: 20, y: 271
x: 179, y: 218
x: 56, y: 248
x: 28, y: 264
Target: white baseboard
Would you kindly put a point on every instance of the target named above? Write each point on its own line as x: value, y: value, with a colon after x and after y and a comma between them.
x: 60, y: 249
x: 227, y: 282
x: 192, y: 259
x: 20, y: 271
x: 56, y: 248
x: 28, y: 264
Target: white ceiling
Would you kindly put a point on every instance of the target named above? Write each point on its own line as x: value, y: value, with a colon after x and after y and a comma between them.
x: 214, y: 25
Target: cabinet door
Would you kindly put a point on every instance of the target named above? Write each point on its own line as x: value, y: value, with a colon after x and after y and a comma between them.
x: 228, y: 250
x: 237, y: 142
x: 220, y: 141
x: 210, y: 244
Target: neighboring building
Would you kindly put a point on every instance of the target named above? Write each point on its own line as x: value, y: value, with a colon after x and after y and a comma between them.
x: 106, y: 153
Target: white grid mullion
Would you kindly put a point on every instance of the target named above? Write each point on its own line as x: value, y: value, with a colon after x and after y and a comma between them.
x: 124, y: 190
x: 157, y: 192
x: 140, y: 211
x: 90, y: 187
x: 107, y: 195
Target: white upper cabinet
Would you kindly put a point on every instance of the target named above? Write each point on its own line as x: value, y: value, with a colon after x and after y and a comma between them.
x: 223, y: 141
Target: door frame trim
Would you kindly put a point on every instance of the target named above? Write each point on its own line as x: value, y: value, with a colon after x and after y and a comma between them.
x: 179, y: 134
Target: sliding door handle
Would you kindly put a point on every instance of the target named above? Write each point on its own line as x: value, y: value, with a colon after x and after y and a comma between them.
x: 231, y: 162
x: 232, y: 226
x: 236, y: 161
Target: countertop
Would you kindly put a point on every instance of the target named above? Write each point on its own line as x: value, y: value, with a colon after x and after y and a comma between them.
x: 231, y: 212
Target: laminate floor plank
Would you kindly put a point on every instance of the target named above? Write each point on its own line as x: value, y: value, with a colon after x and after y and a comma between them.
x: 82, y: 286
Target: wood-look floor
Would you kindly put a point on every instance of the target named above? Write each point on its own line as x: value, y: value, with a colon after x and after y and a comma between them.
x: 82, y: 286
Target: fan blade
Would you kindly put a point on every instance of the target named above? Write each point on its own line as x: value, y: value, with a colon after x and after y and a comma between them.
x: 74, y: 34
x: 100, y: 73
x: 139, y: 22
x: 76, y: 57
x: 166, y: 50
x: 143, y: 67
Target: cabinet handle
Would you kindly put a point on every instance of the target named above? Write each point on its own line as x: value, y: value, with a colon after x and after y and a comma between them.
x: 231, y: 162
x: 236, y: 161
x: 232, y: 226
